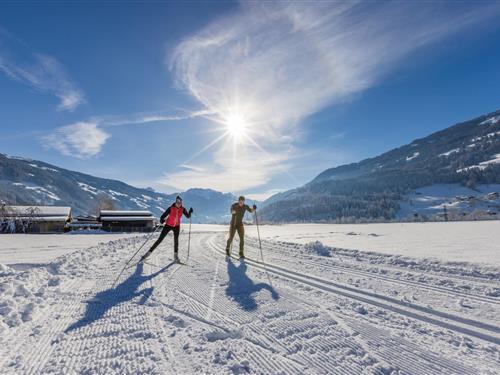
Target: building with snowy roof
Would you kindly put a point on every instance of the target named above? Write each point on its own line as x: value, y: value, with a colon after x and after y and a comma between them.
x: 35, y: 219
x: 127, y: 221
x: 85, y: 222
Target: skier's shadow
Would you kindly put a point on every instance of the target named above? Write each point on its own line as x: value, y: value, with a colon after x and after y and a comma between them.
x: 125, y: 291
x: 241, y: 288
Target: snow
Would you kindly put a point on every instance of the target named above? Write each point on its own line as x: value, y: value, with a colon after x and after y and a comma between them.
x: 43, y: 168
x: 313, y: 309
x: 448, y: 153
x: 28, y: 249
x: 495, y: 160
x: 116, y: 193
x: 494, y: 134
x: 43, y: 191
x: 487, y: 136
x: 39, y: 190
x: 474, y: 242
x: 124, y: 213
x: 41, y: 211
x: 415, y: 155
x: 88, y: 188
x: 13, y: 157
x: 126, y: 218
x: 140, y: 203
x: 482, y: 165
x: 491, y: 121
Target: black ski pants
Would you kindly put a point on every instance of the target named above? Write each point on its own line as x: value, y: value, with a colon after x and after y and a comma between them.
x: 164, y: 232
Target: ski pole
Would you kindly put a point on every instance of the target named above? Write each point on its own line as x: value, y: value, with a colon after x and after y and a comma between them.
x: 189, y: 237
x: 260, y: 246
x: 231, y: 229
x: 132, y: 257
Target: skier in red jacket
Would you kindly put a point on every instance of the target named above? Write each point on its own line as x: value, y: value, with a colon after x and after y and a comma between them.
x: 173, y: 216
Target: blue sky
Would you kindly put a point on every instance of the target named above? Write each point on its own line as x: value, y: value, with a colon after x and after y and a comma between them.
x: 244, y: 97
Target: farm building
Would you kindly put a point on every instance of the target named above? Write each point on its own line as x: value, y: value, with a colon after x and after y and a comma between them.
x: 83, y: 222
x: 35, y: 219
x: 127, y: 221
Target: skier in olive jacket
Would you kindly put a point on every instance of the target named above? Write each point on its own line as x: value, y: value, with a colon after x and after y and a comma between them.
x: 238, y: 210
x: 172, y: 218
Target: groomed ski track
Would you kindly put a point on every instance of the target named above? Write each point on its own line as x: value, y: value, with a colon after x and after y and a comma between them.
x: 300, y: 314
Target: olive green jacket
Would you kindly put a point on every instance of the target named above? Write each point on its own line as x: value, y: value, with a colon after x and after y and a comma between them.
x: 238, y: 213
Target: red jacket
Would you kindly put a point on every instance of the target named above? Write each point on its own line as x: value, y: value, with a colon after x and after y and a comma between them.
x: 174, y: 215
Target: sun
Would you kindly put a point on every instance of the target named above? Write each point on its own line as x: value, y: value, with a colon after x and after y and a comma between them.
x: 236, y: 126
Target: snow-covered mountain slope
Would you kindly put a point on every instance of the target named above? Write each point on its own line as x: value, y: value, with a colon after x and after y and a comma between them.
x: 25, y: 181
x: 311, y: 310
x: 454, y: 199
x: 466, y: 154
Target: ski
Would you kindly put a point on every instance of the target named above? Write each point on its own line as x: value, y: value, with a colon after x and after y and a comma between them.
x: 241, y: 259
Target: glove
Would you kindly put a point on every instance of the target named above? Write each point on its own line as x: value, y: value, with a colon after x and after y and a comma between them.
x: 254, y: 207
x: 191, y: 210
x: 233, y: 212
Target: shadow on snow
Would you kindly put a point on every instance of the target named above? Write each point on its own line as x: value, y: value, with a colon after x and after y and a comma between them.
x: 241, y: 288
x: 123, y: 292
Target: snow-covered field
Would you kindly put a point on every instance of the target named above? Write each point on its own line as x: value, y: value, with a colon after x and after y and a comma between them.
x: 468, y: 241
x: 24, y: 250
x: 312, y: 309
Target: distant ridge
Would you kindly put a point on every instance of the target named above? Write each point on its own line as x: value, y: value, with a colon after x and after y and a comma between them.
x: 465, y: 154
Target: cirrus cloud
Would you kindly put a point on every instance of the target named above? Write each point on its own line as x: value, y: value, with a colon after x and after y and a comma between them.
x: 274, y: 64
x: 39, y: 71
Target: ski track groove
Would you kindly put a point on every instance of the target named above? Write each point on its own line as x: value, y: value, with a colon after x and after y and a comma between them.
x: 439, y: 274
x: 290, y: 275
x: 409, y: 350
x: 281, y: 248
x: 236, y: 319
x: 354, y: 271
x: 371, y: 298
x: 243, y: 318
x: 323, y: 362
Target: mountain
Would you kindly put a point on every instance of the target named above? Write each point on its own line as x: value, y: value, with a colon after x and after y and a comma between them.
x: 464, y: 155
x: 25, y: 181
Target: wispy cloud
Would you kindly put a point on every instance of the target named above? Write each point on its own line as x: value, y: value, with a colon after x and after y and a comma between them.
x: 274, y: 64
x: 86, y: 139
x: 39, y: 71
x: 81, y: 140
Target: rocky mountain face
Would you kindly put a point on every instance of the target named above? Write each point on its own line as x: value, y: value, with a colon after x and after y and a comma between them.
x: 466, y: 154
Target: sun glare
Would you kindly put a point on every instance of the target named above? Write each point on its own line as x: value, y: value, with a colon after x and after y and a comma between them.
x: 236, y: 126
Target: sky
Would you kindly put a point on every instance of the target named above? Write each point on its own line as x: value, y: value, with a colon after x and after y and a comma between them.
x: 244, y: 97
